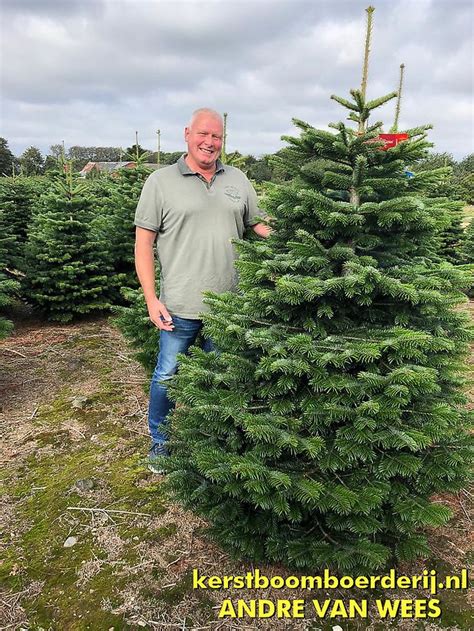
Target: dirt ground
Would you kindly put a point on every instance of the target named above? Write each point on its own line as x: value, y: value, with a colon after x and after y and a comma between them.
x: 89, y: 540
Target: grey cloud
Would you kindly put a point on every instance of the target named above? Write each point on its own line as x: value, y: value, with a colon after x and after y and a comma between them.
x: 100, y: 69
x: 57, y: 8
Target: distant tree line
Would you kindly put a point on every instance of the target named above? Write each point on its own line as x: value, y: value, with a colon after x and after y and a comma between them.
x: 32, y: 161
x: 268, y: 168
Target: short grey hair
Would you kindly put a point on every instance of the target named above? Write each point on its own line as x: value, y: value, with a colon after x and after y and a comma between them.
x: 205, y: 110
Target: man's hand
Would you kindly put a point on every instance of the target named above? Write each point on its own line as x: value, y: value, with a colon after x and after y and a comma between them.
x: 159, y: 315
x: 262, y: 229
x: 145, y: 265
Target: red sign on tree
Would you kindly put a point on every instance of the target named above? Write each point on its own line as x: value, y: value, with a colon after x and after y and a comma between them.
x: 392, y: 140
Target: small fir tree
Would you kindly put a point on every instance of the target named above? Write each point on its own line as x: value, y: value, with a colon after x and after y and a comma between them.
x: 67, y: 273
x: 467, y: 253
x: 7, y: 159
x: 8, y: 285
x: 464, y: 179
x: 332, y: 413
x: 117, y: 220
x: 452, y: 237
x: 467, y: 249
x: 136, y: 326
x: 18, y: 196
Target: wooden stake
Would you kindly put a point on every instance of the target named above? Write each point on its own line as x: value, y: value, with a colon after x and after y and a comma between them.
x: 158, y: 133
x: 363, y: 87
x: 365, y: 71
x: 224, y: 139
x: 397, y: 108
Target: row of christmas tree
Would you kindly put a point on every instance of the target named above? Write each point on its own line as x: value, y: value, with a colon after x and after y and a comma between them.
x: 64, y: 276
x: 67, y: 245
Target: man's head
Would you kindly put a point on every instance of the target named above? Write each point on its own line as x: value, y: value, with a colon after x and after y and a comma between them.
x: 203, y: 136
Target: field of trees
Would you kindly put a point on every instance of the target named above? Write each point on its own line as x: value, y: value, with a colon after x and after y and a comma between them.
x: 95, y: 218
x: 93, y: 541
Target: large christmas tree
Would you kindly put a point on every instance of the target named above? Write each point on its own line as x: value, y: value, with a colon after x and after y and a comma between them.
x: 333, y: 412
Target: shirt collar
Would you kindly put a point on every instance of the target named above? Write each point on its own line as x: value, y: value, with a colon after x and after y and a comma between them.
x: 185, y: 170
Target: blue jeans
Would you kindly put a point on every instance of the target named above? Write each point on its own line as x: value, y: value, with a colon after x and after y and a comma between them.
x: 173, y: 342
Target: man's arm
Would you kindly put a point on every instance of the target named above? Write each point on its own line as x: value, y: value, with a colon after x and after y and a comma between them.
x: 262, y: 230
x: 145, y: 266
x: 252, y: 210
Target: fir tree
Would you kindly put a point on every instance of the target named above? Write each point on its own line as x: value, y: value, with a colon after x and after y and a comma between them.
x: 136, y: 326
x: 467, y: 253
x: 467, y: 250
x: 18, y: 196
x: 7, y: 159
x: 464, y: 179
x: 332, y: 413
x: 8, y: 286
x: 118, y: 215
x: 452, y: 237
x: 66, y: 271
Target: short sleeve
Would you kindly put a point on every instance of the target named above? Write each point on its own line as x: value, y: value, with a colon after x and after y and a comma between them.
x: 149, y: 211
x: 252, y: 210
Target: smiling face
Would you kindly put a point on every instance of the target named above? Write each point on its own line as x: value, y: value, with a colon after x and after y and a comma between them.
x: 204, y: 140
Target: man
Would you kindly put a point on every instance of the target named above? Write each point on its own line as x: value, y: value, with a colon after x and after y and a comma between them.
x: 193, y: 209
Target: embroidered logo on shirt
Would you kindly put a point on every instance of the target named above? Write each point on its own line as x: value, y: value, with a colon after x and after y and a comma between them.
x: 233, y: 193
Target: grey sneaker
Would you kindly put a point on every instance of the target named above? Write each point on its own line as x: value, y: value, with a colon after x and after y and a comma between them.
x: 157, y: 451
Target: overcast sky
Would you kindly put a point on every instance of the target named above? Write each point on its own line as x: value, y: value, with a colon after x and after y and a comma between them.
x: 91, y: 72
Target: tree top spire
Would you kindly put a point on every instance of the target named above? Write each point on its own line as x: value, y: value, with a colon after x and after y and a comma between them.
x: 363, y: 87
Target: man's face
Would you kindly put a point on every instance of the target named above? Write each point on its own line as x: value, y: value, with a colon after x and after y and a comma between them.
x: 204, y: 140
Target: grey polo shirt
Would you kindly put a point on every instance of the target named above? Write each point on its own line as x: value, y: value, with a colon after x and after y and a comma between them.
x: 195, y: 221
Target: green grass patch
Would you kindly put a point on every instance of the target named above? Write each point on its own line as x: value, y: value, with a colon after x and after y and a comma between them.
x: 44, y: 492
